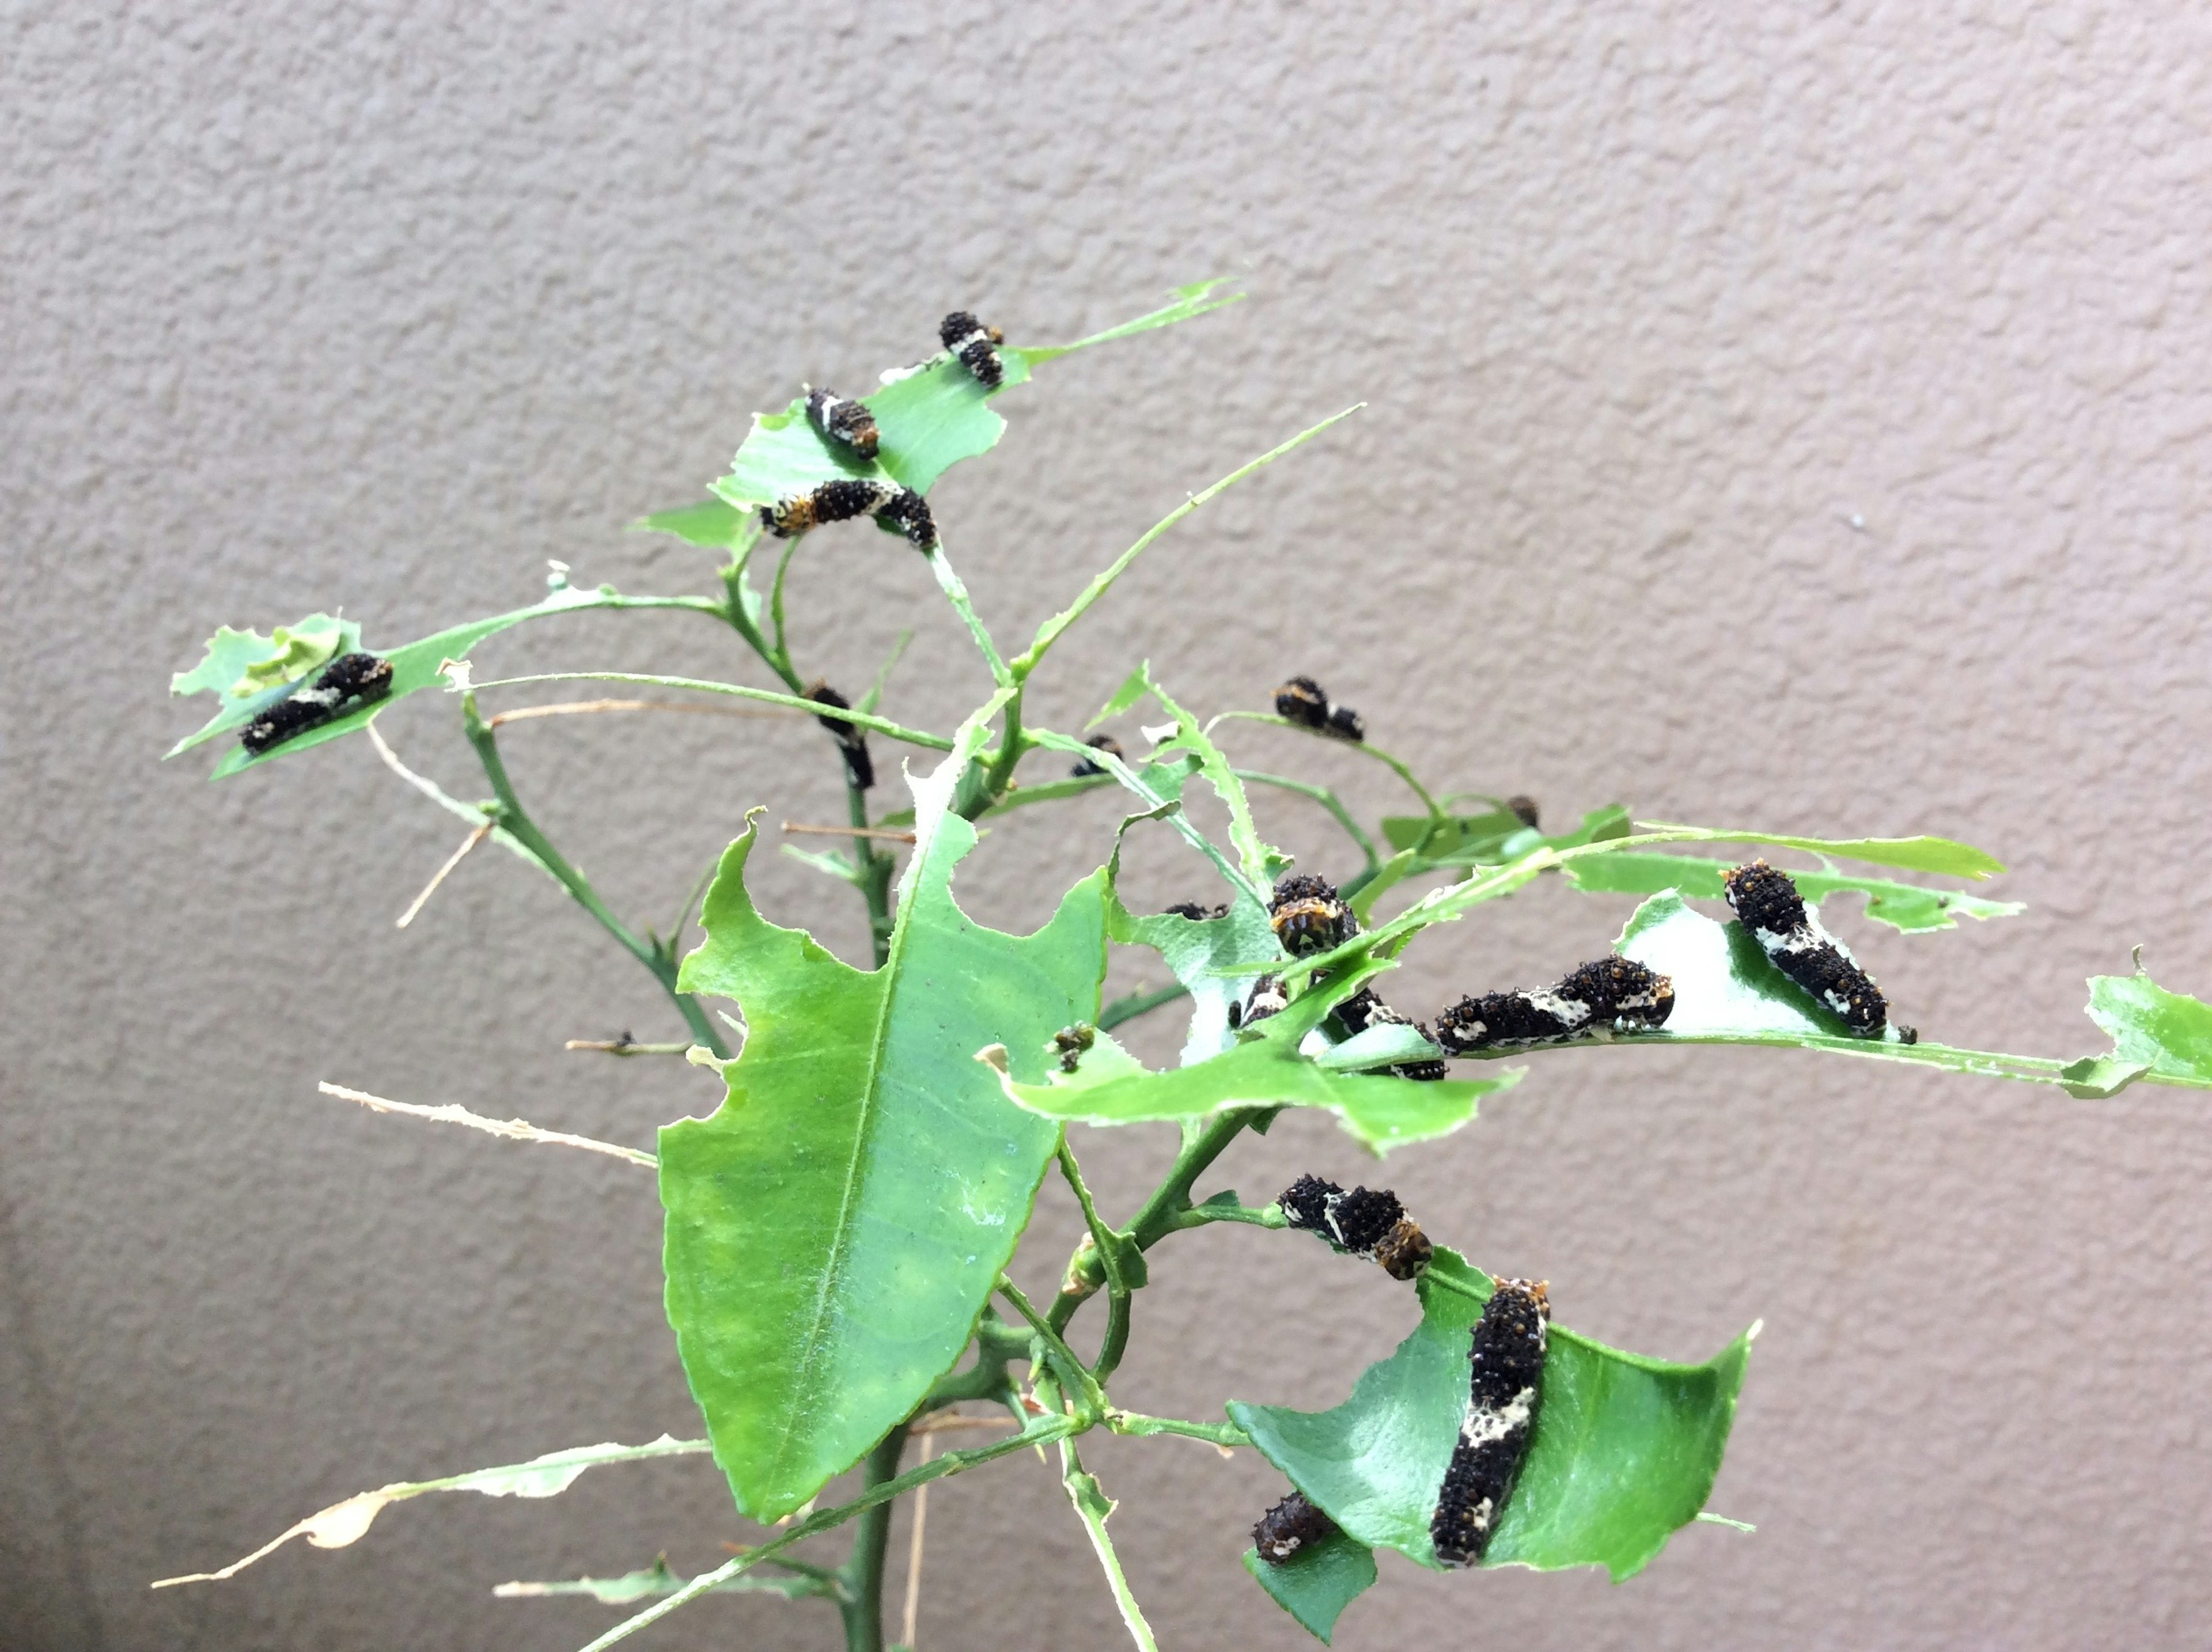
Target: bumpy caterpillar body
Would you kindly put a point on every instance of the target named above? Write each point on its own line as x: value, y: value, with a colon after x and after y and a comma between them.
x: 1308, y: 916
x: 1505, y: 1361
x: 1291, y: 1525
x: 1302, y: 701
x: 1070, y: 1042
x: 1365, y: 1221
x: 845, y: 423
x: 972, y: 345
x: 1608, y: 994
x: 1364, y: 1010
x: 1087, y: 767
x: 893, y: 507
x: 349, y: 682
x: 859, y: 768
x: 1767, y: 902
x: 1267, y: 998
x: 1523, y: 808
x: 1195, y: 913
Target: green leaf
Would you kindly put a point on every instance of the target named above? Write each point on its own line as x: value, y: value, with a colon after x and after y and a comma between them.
x: 1624, y: 1455
x: 1492, y: 839
x: 1316, y: 1584
x: 1263, y: 863
x: 1936, y: 854
x: 1723, y: 981
x: 240, y: 665
x: 1380, y: 1112
x: 928, y: 419
x: 1196, y: 951
x: 413, y: 666
x: 2099, y: 1077
x: 712, y: 524
x: 2166, y: 1033
x: 541, y: 1477
x: 1906, y: 907
x: 834, y: 1229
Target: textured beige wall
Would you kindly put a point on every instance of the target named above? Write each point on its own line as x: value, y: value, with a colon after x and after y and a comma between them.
x: 1775, y: 416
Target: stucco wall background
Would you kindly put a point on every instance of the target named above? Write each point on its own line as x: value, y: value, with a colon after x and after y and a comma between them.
x: 1774, y: 416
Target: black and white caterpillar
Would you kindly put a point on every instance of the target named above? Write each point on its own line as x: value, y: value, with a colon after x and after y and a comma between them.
x: 1611, y: 994
x: 1505, y: 1362
x: 1365, y: 1221
x: 892, y: 506
x: 973, y: 345
x: 1302, y: 701
x: 1767, y: 902
x: 1291, y: 1525
x: 346, y: 684
x: 859, y: 768
x: 1087, y: 767
x: 842, y: 422
x: 1194, y: 912
x: 1308, y: 915
x: 1364, y: 1010
x: 1267, y: 998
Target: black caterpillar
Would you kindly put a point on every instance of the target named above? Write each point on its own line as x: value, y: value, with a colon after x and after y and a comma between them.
x: 1085, y: 769
x: 1290, y: 1525
x: 1071, y: 1042
x: 1523, y: 808
x: 1506, y: 1382
x: 1195, y: 913
x: 893, y: 507
x: 1267, y: 998
x: 1776, y: 914
x: 1308, y: 916
x: 859, y: 768
x: 1364, y: 1010
x: 1609, y: 994
x: 971, y: 344
x: 1302, y: 701
x: 847, y: 424
x: 1364, y: 1222
x: 346, y: 684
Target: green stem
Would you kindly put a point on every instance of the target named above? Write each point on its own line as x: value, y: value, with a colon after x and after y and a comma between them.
x: 1202, y: 1216
x: 795, y: 702
x: 1043, y: 1431
x: 517, y: 822
x: 1109, y: 1246
x: 1136, y: 1423
x: 1057, y: 1353
x: 1328, y: 800
x: 861, y: 1577
x: 781, y: 658
x: 955, y: 592
x: 1429, y: 805
x: 1130, y: 1007
x: 1092, y: 1507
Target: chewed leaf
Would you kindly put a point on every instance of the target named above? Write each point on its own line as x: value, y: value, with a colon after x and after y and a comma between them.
x: 835, y: 1228
x: 413, y: 666
x: 1492, y: 839
x: 2166, y: 1033
x: 1907, y: 907
x: 657, y: 1580
x: 711, y: 524
x: 240, y: 665
x: 927, y: 420
x: 1624, y: 1455
x: 1316, y: 1584
x: 1937, y: 854
x: 1723, y: 981
x: 541, y: 1477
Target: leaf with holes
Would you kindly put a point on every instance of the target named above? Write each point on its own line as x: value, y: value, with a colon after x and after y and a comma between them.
x: 927, y: 420
x: 834, y: 1229
x: 1911, y: 907
x: 1316, y: 1584
x: 1624, y: 1453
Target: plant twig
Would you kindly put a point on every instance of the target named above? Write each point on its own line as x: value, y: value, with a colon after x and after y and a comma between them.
x: 766, y: 696
x: 955, y: 592
x: 512, y: 1129
x: 1429, y: 805
x: 1043, y: 1431
x: 439, y: 876
x: 627, y: 1046
x: 1328, y: 800
x: 889, y: 833
x: 591, y: 708
x: 1132, y: 1005
x: 1092, y: 1507
x: 913, y: 1613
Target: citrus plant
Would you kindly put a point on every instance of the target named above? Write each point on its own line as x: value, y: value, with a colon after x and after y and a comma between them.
x: 839, y: 1230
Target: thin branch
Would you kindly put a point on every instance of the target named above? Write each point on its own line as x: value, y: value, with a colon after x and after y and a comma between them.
x: 1092, y: 1507
x: 451, y: 861
x: 1129, y: 1007
x: 588, y: 708
x: 1328, y: 800
x: 511, y: 1129
x: 765, y: 696
x: 955, y: 592
x: 1050, y: 631
x: 914, y: 1554
x: 1043, y: 1432
x: 1222, y: 1437
x: 889, y: 834
x: 625, y: 1047
x: 1396, y: 766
